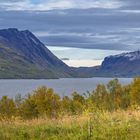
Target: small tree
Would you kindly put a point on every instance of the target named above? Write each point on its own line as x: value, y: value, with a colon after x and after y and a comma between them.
x: 28, y: 108
x: 47, y: 102
x: 115, y: 93
x: 77, y: 103
x: 66, y: 102
x: 7, y: 107
x: 135, y: 92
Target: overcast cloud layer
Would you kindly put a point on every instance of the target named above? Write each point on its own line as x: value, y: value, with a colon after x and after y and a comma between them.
x: 100, y: 24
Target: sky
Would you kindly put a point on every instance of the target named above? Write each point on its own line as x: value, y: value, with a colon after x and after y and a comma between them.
x: 112, y: 25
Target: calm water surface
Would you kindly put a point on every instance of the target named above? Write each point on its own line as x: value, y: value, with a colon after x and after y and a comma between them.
x: 61, y: 86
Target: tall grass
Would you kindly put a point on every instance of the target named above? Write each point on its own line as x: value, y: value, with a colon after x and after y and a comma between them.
x: 118, y: 125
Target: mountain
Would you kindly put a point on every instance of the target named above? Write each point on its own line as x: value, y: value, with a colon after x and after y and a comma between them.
x: 122, y: 65
x: 22, y: 55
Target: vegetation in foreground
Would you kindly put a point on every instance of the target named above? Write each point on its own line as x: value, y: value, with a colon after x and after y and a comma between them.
x: 119, y: 125
x: 110, y: 112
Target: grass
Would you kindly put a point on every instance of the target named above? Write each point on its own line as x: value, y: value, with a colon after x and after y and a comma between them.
x: 120, y: 125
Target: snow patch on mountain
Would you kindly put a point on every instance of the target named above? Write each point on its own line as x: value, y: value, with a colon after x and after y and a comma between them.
x: 131, y: 55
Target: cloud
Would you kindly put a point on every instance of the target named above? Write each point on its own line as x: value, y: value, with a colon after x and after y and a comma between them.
x: 42, y: 5
x: 58, y: 4
x: 131, y: 4
x: 96, y: 24
x: 13, y: 4
x: 83, y: 28
x: 10, y: 1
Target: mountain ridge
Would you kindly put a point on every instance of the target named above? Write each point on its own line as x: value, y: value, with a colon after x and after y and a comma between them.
x: 24, y: 56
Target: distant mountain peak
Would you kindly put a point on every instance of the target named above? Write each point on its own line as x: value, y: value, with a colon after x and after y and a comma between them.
x: 14, y: 31
x: 130, y: 55
x: 11, y: 29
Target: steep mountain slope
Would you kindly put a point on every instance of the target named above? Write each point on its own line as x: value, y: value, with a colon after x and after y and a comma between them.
x: 22, y: 55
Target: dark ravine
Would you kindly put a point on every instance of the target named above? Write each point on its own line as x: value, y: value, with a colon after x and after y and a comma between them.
x: 23, y: 56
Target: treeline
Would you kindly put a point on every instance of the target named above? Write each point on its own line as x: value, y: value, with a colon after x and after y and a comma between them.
x: 44, y: 102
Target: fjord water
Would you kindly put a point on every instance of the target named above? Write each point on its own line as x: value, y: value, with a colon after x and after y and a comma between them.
x: 61, y: 86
